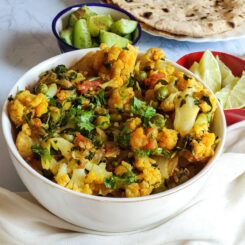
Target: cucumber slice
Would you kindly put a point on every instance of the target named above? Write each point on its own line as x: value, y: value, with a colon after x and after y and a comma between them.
x: 81, y: 35
x: 110, y: 39
x: 128, y: 36
x: 66, y: 35
x: 83, y: 13
x: 98, y: 23
x: 124, y: 26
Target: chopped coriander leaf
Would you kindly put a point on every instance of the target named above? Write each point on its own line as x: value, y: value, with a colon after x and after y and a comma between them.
x: 131, y: 82
x: 139, y: 108
x: 116, y: 182
x: 123, y: 138
x: 28, y: 117
x: 83, y: 120
x: 157, y: 151
x: 143, y: 153
x: 100, y: 98
x: 60, y: 69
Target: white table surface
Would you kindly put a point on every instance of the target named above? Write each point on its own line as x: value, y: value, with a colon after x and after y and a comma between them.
x: 26, y: 39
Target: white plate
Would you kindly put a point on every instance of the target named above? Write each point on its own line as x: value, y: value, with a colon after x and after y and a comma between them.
x: 237, y: 33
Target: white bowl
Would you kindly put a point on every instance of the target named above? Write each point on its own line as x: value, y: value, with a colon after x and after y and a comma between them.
x: 103, y: 213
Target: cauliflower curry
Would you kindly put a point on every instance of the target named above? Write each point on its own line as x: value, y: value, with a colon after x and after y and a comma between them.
x: 115, y: 124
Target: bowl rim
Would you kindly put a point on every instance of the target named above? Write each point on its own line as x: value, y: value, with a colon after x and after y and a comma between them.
x: 102, y: 5
x: 24, y: 164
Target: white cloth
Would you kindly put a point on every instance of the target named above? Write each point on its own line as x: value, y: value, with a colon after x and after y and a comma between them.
x: 216, y: 216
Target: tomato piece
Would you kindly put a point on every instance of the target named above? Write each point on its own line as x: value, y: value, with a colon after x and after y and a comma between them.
x: 87, y: 85
x: 153, y: 79
x: 81, y: 139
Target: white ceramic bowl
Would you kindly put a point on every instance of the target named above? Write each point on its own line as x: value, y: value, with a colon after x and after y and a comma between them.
x: 103, y: 213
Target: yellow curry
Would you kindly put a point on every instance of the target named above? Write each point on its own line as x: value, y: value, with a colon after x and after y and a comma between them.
x: 116, y: 124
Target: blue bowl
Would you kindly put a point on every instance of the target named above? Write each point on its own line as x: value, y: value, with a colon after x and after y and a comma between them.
x: 61, y: 20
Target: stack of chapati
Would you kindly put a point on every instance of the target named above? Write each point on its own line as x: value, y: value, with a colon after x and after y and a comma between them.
x: 191, y: 18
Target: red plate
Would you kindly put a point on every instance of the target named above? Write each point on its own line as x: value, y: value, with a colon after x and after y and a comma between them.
x: 237, y: 66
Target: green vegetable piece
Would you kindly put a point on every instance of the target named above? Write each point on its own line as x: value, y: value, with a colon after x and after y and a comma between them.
x: 162, y: 93
x: 66, y: 36
x: 44, y: 154
x: 81, y: 35
x: 124, y: 26
x: 41, y: 88
x: 52, y: 90
x: 60, y: 69
x: 129, y: 37
x: 82, y: 13
x: 83, y: 120
x: 141, y: 76
x: 98, y: 23
x: 111, y: 39
x: 158, y: 120
x: 103, y: 122
x: 123, y: 138
x: 116, y: 182
x: 140, y: 108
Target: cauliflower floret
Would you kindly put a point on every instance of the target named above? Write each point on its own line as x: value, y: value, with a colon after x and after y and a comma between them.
x: 25, y: 97
x: 145, y: 188
x: 152, y: 176
x: 201, y: 125
x: 167, y: 138
x: 99, y: 171
x: 123, y: 168
x: 77, y: 180
x: 24, y: 142
x: 109, y: 63
x: 138, y: 139
x: 207, y: 101
x: 132, y: 190
x: 24, y: 103
x: 202, y: 148
x: 168, y: 105
x: 150, y: 58
x: 40, y: 104
x: 184, y: 82
x: 120, y: 97
x: 62, y: 178
x: 16, y: 112
x: 133, y: 123
x: 143, y: 162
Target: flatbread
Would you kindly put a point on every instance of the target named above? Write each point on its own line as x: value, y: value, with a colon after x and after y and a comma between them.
x: 187, y: 17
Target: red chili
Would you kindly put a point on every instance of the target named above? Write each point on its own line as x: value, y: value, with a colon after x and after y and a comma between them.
x: 86, y: 85
x: 153, y: 79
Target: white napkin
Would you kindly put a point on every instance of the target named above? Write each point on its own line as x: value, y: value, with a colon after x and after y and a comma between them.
x: 216, y: 216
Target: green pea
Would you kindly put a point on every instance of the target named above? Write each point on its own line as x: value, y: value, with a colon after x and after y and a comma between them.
x: 158, y: 120
x: 41, y: 88
x: 116, y: 117
x: 162, y: 93
x: 141, y: 76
